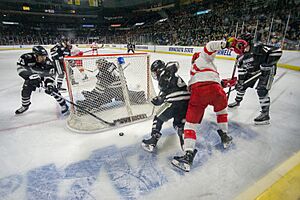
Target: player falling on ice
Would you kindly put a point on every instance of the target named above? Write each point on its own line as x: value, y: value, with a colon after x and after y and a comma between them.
x: 173, y: 97
x: 36, y: 69
x: 206, y: 89
x: 258, y: 60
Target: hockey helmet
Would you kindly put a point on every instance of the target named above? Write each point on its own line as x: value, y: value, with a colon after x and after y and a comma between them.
x: 248, y: 37
x: 40, y: 51
x: 156, y: 68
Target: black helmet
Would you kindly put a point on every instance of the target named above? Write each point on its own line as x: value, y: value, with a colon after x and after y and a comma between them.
x: 40, y: 51
x: 157, y: 65
x: 156, y: 68
x: 248, y: 37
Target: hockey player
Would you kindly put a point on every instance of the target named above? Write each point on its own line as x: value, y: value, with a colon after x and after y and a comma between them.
x: 206, y: 89
x: 75, y: 51
x: 108, y: 87
x: 173, y: 99
x: 257, y: 59
x: 58, y: 52
x: 94, y: 47
x: 36, y: 69
x: 130, y: 47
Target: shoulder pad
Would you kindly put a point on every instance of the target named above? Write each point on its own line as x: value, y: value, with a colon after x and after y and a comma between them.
x: 27, y: 56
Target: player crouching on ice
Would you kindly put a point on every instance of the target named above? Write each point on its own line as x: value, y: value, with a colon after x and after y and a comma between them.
x: 173, y: 97
x: 206, y: 89
x: 36, y: 69
x: 259, y: 62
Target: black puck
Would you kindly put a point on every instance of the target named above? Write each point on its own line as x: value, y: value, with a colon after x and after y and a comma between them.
x: 121, y: 134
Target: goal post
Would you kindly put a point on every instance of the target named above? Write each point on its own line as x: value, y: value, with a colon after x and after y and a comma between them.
x: 117, y: 93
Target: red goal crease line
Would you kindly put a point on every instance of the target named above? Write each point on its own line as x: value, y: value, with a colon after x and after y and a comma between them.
x: 122, y: 54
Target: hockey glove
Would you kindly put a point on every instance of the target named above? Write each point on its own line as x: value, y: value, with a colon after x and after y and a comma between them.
x: 50, y: 88
x: 195, y: 56
x: 35, y: 80
x: 228, y: 82
x: 157, y: 101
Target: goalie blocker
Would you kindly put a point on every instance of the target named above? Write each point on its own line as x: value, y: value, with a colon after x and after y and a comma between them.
x: 118, y: 91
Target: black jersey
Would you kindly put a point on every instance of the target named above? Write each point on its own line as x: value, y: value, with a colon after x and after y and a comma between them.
x: 27, y: 66
x: 108, y: 77
x: 58, y: 52
x: 260, y: 56
x: 131, y: 46
x: 172, y: 87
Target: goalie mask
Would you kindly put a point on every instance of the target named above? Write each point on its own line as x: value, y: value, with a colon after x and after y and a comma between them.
x: 156, y: 68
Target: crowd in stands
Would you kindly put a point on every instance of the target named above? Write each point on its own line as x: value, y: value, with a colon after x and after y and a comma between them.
x: 181, y: 26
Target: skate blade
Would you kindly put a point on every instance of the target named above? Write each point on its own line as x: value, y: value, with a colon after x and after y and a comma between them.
x: 226, y: 145
x: 147, y: 147
x: 183, y: 166
x: 262, y: 123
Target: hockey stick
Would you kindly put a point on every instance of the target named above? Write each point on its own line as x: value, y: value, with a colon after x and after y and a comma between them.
x: 83, y: 109
x: 232, y: 76
x: 249, y: 80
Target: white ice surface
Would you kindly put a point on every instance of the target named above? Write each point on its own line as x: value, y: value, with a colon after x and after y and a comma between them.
x: 41, y: 159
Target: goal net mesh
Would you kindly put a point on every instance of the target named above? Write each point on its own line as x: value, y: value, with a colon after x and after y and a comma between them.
x: 108, y: 90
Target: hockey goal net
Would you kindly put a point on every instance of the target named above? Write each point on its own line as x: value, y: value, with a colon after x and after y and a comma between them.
x: 108, y: 90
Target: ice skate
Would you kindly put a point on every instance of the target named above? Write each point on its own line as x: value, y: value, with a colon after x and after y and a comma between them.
x: 234, y: 104
x: 73, y: 82
x: 85, y: 78
x: 226, y: 140
x: 150, y: 144
x: 64, y: 109
x: 184, y: 162
x: 262, y: 119
x: 22, y: 110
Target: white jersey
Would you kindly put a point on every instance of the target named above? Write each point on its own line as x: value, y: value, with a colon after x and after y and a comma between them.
x: 94, y: 45
x: 203, y: 69
x: 75, y: 51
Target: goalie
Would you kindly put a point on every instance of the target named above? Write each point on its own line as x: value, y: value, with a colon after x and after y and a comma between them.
x: 108, y: 88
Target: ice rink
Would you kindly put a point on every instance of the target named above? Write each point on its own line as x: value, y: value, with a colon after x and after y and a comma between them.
x: 41, y: 159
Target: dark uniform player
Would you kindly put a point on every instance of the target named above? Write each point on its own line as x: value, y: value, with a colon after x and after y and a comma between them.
x: 130, y: 47
x: 173, y: 97
x: 58, y: 52
x: 257, y: 58
x: 108, y: 87
x: 36, y: 68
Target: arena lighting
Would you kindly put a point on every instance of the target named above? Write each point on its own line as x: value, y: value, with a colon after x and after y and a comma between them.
x: 10, y: 23
x: 162, y: 20
x: 88, y: 25
x: 139, y: 24
x: 202, y: 12
x: 26, y: 8
x: 115, y: 25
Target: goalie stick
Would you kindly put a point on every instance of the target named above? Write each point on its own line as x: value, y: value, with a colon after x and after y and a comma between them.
x: 249, y: 80
x: 80, y: 107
